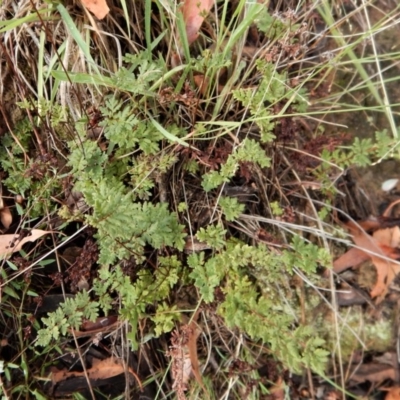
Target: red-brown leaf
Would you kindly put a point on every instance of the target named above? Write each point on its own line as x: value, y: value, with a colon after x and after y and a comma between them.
x: 194, y: 12
x: 97, y: 7
x: 381, y: 248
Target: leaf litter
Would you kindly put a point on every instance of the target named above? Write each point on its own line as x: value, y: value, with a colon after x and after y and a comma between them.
x: 379, y: 241
x: 194, y: 12
x: 100, y: 370
x: 99, y: 8
x: 5, y: 212
x: 12, y: 243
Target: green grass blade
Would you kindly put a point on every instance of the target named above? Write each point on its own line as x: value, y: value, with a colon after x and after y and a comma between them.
x: 147, y: 23
x: 81, y: 77
x: 69, y: 23
x: 168, y: 135
x: 14, y: 23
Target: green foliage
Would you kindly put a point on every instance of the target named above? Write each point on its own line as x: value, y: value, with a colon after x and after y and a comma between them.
x: 36, y: 176
x: 231, y: 208
x: 117, y: 175
x: 276, y: 208
x: 213, y: 235
x: 135, y: 296
x: 206, y: 276
x: 88, y: 159
x: 306, y: 256
x: 141, y: 73
x: 123, y: 128
x: 271, y: 90
x: 211, y: 63
x: 250, y: 151
x: 165, y: 318
x: 147, y: 170
x: 276, y: 26
x: 359, y: 151
x: 70, y: 314
x: 149, y: 288
x: 124, y: 226
x: 362, y: 152
x: 384, y: 143
x: 155, y: 127
x: 256, y: 306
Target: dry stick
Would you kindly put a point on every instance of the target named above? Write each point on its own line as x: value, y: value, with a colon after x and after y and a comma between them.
x: 57, y: 260
x: 84, y: 366
x: 35, y: 131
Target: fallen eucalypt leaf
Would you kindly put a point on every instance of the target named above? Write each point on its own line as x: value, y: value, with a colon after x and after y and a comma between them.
x: 12, y: 243
x: 377, y: 239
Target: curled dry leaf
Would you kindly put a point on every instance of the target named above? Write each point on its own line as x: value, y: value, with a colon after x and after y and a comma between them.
x: 100, y: 323
x: 185, y: 362
x: 5, y: 213
x: 192, y: 347
x: 203, y: 83
x: 194, y: 12
x: 12, y: 243
x: 98, y: 8
x: 352, y: 258
x: 6, y: 217
x: 278, y: 390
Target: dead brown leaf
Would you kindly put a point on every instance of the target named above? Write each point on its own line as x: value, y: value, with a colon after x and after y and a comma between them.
x: 6, y: 217
x: 181, y: 365
x: 352, y: 258
x: 203, y: 83
x: 101, y: 369
x: 393, y: 393
x: 381, y: 248
x: 101, y: 325
x: 386, y: 270
x: 374, y: 372
x: 193, y: 245
x: 192, y: 348
x: 98, y: 8
x: 11, y: 243
x: 389, y: 237
x: 194, y: 12
x: 5, y: 213
x: 277, y: 392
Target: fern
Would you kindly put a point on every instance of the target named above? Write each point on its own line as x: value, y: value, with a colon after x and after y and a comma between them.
x: 69, y: 314
x: 139, y: 75
x: 249, y: 150
x: 117, y: 179
x: 258, y: 310
x: 124, y: 226
x: 231, y: 208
